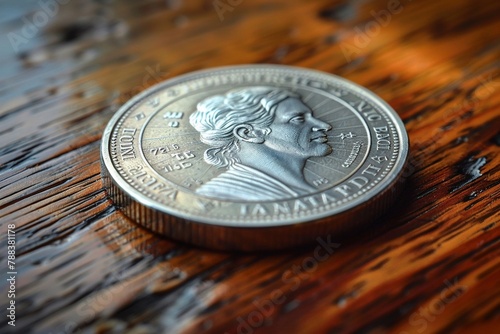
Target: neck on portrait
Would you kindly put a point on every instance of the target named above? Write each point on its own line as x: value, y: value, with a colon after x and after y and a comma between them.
x: 282, y: 166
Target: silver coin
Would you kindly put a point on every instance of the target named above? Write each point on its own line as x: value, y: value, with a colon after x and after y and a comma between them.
x: 254, y: 157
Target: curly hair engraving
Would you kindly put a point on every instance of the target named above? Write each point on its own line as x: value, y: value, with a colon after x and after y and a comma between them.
x: 218, y: 116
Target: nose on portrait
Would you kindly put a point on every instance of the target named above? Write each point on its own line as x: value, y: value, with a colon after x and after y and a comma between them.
x: 319, y: 125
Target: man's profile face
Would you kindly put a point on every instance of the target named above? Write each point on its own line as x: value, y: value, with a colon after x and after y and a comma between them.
x: 296, y: 131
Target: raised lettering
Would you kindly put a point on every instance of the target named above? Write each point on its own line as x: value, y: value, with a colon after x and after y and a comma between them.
x: 175, y: 115
x: 299, y: 205
x: 367, y: 111
x: 149, y: 181
x: 281, y: 208
x: 259, y: 210
x: 126, y: 141
x: 343, y: 189
x: 312, y: 201
x: 372, y: 170
x: 359, y: 181
x: 206, y: 205
x: 139, y: 116
x: 327, y: 199
x: 379, y: 159
x: 381, y: 134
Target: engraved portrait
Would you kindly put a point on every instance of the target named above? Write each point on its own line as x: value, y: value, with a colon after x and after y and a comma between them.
x: 262, y: 137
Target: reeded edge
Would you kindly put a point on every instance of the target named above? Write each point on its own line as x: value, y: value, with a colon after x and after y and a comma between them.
x: 361, y: 201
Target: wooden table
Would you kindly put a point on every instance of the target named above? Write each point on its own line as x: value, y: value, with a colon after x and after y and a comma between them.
x: 430, y: 265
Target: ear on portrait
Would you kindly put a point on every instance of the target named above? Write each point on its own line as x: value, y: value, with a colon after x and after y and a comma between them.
x: 248, y: 133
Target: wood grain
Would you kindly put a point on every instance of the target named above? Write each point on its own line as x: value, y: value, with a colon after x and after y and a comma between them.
x: 430, y: 265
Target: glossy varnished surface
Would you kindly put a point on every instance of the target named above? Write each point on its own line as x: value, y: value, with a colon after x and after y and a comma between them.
x: 430, y: 265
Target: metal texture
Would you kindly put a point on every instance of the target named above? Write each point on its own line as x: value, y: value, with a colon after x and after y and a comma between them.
x: 254, y: 157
